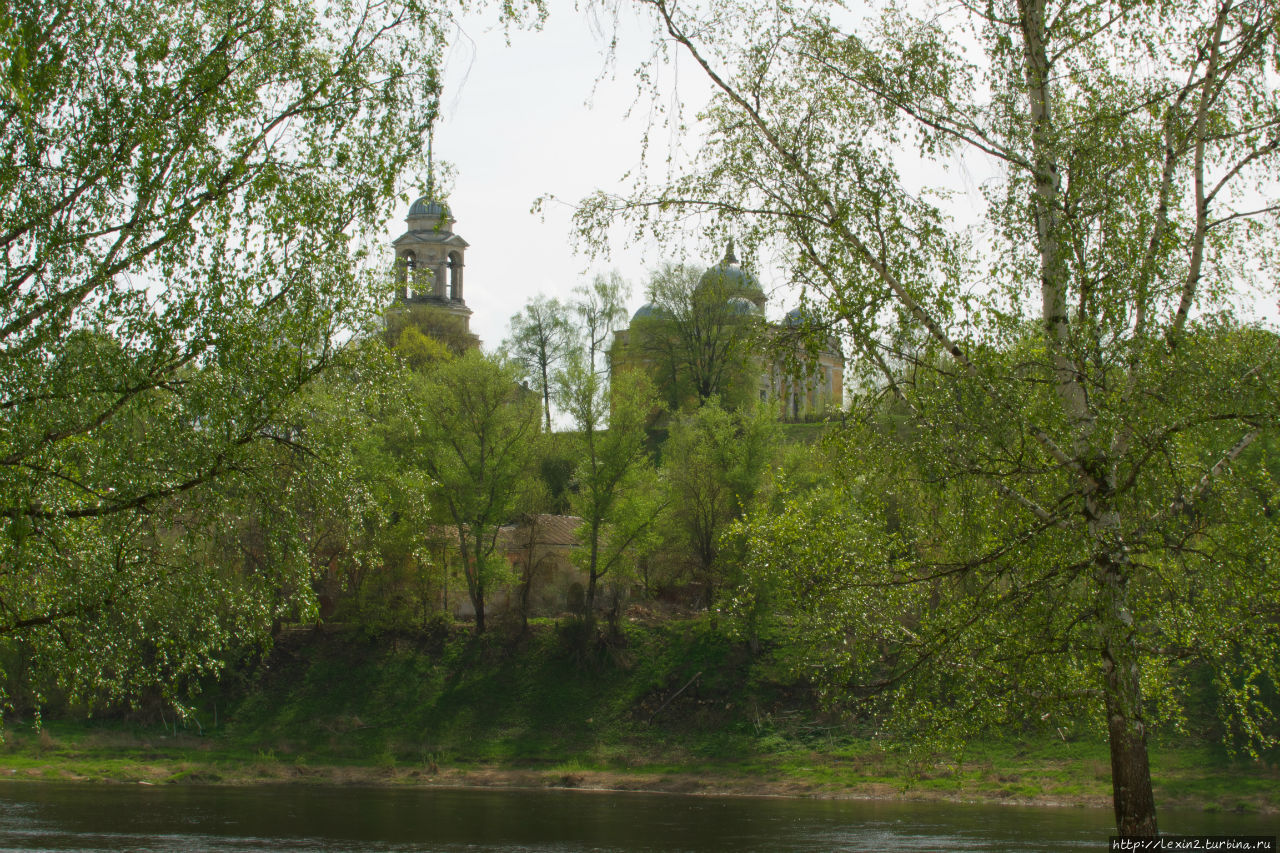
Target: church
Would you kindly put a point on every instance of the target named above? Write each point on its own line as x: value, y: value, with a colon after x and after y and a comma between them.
x: 777, y: 368
x: 774, y: 363
x: 429, y: 264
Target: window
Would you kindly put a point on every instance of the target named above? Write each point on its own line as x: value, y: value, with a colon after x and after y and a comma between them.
x: 455, y: 276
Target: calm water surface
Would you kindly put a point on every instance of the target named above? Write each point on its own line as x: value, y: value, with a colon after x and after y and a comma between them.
x: 54, y: 817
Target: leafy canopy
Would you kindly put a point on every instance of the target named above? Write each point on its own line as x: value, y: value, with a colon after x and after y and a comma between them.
x: 188, y: 197
x: 1078, y: 376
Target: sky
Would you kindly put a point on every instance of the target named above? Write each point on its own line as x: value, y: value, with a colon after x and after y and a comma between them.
x: 527, y: 119
x: 528, y: 114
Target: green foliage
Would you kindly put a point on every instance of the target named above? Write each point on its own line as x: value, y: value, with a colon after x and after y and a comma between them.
x: 896, y: 582
x: 439, y: 326
x: 557, y: 458
x: 419, y: 351
x: 699, y: 340
x: 1066, y: 365
x: 474, y: 435
x: 615, y: 494
x: 714, y: 463
x: 189, y: 193
x: 358, y: 499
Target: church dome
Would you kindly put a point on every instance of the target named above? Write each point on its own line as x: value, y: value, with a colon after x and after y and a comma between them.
x: 741, y: 306
x: 730, y: 278
x: 426, y: 206
x: 649, y: 310
x: 796, y: 317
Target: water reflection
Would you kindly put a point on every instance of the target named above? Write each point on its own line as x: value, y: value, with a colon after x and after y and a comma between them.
x: 57, y: 817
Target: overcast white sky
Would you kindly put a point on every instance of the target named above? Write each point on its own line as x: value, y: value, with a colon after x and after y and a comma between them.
x: 530, y: 119
x: 536, y: 117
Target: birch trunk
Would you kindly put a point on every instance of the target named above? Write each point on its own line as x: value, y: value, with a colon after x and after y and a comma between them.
x: 1135, y: 807
x: 1132, y: 796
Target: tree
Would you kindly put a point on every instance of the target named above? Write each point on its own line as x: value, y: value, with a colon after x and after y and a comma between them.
x: 360, y: 494
x: 476, y: 439
x: 556, y: 459
x: 540, y: 336
x: 531, y: 559
x: 188, y: 194
x: 419, y: 352
x: 714, y: 463
x: 609, y: 498
x: 600, y: 308
x: 699, y: 338
x: 1136, y: 202
x: 439, y: 325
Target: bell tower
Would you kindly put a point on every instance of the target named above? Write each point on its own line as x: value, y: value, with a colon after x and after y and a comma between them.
x: 430, y: 261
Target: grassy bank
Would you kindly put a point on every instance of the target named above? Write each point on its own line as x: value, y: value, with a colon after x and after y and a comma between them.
x: 672, y: 707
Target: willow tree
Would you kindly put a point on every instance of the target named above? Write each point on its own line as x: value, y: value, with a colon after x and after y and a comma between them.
x: 1133, y: 203
x: 188, y: 196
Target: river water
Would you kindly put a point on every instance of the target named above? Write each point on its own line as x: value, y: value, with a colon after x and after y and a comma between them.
x: 58, y: 817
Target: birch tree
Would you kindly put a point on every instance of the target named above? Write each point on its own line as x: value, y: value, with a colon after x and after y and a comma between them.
x: 599, y: 307
x: 189, y: 193
x: 1134, y: 148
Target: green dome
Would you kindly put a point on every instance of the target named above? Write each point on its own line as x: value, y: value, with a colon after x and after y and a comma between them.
x: 649, y: 310
x: 729, y: 278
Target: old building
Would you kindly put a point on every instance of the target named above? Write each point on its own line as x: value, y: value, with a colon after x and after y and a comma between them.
x: 430, y: 260
x: 712, y: 337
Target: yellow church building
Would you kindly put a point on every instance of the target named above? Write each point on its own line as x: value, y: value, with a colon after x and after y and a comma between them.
x: 723, y: 317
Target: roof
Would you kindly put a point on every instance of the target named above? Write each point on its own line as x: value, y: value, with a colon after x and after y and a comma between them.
x: 730, y: 279
x: 431, y: 235
x: 549, y: 530
x: 426, y: 206
x: 649, y: 309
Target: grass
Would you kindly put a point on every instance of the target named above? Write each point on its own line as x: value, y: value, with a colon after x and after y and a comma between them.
x: 546, y: 710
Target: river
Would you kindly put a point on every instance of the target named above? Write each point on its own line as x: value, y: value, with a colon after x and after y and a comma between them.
x: 58, y: 817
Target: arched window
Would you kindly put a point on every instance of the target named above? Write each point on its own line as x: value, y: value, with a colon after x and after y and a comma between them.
x: 455, y: 276
x: 408, y: 264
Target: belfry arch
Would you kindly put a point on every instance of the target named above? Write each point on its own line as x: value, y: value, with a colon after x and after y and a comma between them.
x: 454, y: 263
x: 429, y: 263
x: 406, y: 274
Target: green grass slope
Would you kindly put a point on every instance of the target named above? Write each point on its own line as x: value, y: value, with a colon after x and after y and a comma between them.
x: 673, y: 705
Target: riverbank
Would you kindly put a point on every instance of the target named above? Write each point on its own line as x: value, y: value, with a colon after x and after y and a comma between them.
x: 672, y: 708
x: 1186, y: 777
